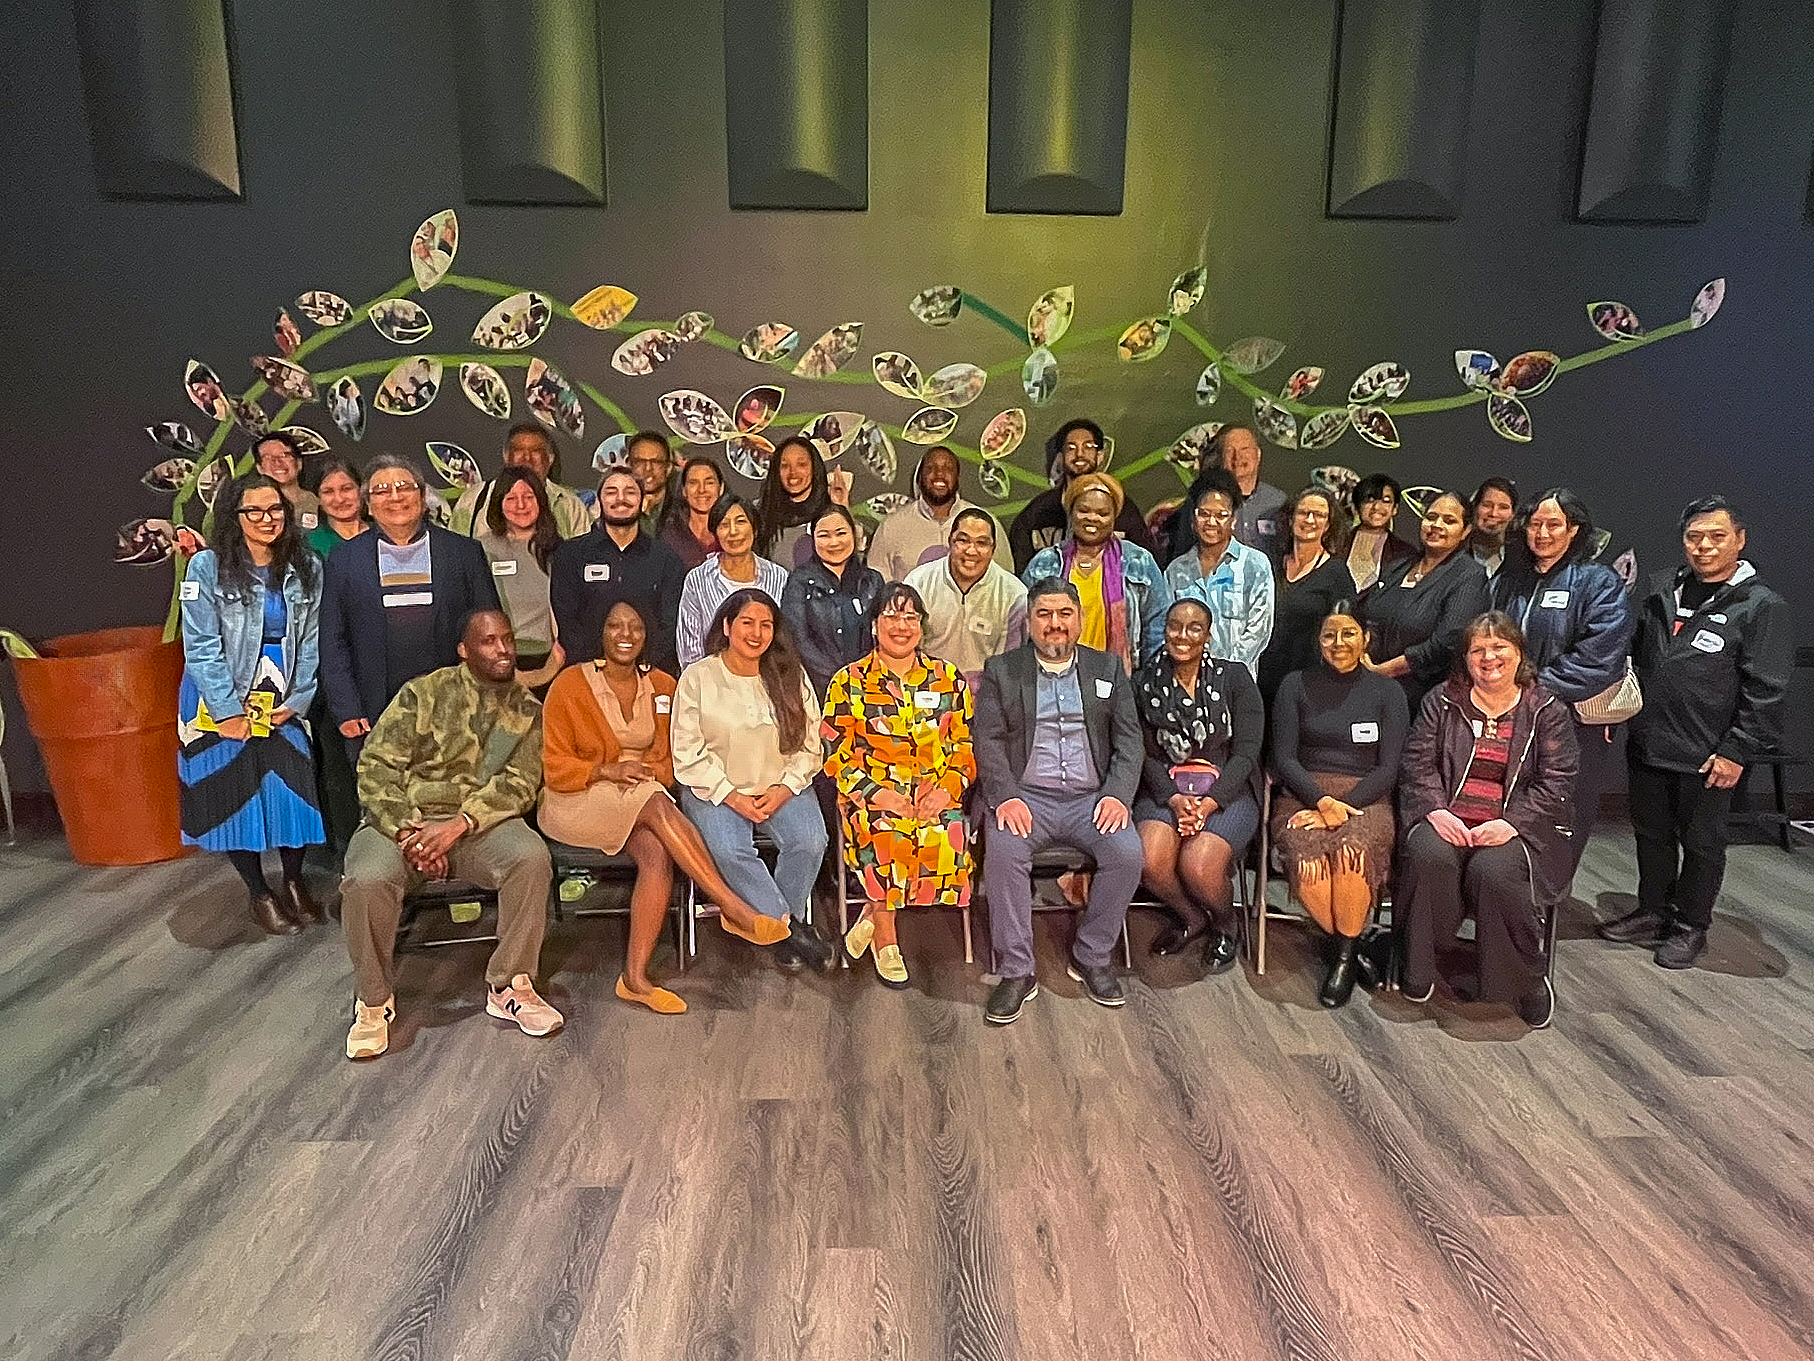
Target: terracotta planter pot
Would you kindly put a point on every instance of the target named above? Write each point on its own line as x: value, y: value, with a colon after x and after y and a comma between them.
x: 103, y: 708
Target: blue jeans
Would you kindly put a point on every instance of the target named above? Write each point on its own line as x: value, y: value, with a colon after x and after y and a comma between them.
x: 798, y: 831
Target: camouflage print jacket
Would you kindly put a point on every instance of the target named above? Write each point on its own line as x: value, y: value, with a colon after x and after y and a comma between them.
x: 448, y: 745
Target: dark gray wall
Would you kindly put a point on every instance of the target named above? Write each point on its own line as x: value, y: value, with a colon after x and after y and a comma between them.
x: 348, y: 133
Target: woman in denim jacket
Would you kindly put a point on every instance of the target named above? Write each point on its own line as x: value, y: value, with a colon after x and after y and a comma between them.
x: 249, y: 665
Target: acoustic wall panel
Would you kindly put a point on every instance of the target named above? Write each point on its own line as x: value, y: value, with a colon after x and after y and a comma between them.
x: 1404, y: 84
x: 796, y: 103
x: 1058, y: 86
x: 158, y: 83
x: 532, y: 117
x: 1653, y: 118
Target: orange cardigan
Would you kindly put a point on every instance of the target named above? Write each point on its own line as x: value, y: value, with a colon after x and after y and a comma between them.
x: 576, y: 740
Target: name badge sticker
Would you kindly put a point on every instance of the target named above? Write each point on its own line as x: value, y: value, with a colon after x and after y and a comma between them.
x: 1553, y: 600
x: 1705, y: 640
x: 664, y: 704
x: 1266, y: 527
x: 504, y: 567
x: 189, y: 590
x: 308, y: 519
x: 396, y: 599
x: 1717, y: 618
x: 1104, y: 689
x: 925, y: 699
x: 598, y: 571
x: 1364, y: 732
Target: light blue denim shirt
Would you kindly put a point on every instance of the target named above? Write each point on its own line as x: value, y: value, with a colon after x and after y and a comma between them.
x: 1143, y: 587
x: 1239, y: 594
x: 1059, y: 759
x: 223, y: 635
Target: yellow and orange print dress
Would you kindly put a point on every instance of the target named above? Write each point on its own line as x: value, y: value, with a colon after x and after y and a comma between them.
x: 908, y: 734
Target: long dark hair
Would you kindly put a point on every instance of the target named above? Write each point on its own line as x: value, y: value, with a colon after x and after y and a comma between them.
x: 780, y: 511
x: 781, y: 670
x: 544, y: 538
x: 1573, y: 509
x: 1494, y: 624
x: 235, y: 558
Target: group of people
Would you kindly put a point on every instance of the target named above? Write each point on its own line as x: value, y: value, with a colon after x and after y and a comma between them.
x: 682, y: 670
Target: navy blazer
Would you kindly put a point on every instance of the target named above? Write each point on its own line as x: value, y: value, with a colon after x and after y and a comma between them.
x: 1007, y: 709
x: 354, y: 653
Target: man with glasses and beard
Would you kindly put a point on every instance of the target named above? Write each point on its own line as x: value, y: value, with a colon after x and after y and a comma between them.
x: 616, y: 560
x: 919, y: 531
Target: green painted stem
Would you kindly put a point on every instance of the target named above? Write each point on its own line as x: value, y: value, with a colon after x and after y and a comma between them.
x: 1001, y: 319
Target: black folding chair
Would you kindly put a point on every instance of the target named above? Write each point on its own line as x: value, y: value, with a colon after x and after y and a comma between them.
x: 582, y: 869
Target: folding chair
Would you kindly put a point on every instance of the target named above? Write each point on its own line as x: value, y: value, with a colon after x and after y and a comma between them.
x: 1049, y: 864
x: 1263, y: 911
x: 697, y: 908
x: 850, y: 890
x: 437, y: 893
x: 582, y: 867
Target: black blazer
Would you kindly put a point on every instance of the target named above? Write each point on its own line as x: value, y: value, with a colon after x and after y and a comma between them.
x: 354, y: 656
x: 1007, y: 708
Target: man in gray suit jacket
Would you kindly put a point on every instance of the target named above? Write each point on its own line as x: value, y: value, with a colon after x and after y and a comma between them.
x: 1058, y: 751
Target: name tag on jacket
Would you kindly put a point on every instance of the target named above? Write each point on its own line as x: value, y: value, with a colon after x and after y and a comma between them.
x: 394, y: 599
x: 1554, y: 600
x: 1364, y: 732
x: 598, y: 571
x: 1705, y: 640
x: 504, y: 567
x: 1104, y: 689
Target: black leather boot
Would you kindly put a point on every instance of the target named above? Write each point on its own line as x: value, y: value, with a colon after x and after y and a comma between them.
x: 1339, y: 985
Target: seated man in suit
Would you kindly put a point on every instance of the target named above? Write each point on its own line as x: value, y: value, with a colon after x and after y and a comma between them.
x: 447, y: 775
x: 394, y: 599
x: 1058, y: 753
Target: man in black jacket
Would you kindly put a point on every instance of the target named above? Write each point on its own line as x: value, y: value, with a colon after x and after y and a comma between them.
x: 616, y: 560
x: 1058, y: 753
x: 1713, y: 651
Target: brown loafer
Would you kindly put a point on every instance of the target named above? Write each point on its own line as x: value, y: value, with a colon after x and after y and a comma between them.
x: 270, y: 916
x: 304, y: 910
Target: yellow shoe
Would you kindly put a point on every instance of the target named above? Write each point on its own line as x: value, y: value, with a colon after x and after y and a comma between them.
x: 856, y: 940
x: 655, y: 999
x: 767, y: 931
x: 890, y: 967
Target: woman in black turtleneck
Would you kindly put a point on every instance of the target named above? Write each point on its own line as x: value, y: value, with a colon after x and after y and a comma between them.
x: 1338, y: 730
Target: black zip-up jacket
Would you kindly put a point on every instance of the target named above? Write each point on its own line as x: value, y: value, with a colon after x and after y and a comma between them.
x: 1717, y: 686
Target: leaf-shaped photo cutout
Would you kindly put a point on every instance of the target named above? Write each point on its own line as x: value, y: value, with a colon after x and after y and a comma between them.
x: 1385, y: 382
x: 1144, y: 340
x: 695, y: 417
x: 175, y: 436
x: 1597, y: 545
x: 769, y: 343
x: 408, y: 388
x: 1706, y: 303
x: 1614, y: 320
x: 309, y: 441
x: 1625, y: 568
x: 289, y: 381
x: 1189, y: 449
x: 486, y: 389
x: 1276, y: 423
x: 1336, y: 479
x: 938, y: 305
x: 1039, y: 376
x: 690, y: 326
x: 1108, y: 454
x: 1003, y: 434
x: 645, y: 352
x: 212, y: 478
x: 756, y: 408
x: 514, y: 324
x: 897, y: 373
x: 605, y: 306
x: 1324, y: 429
x: 876, y: 451
x: 324, y: 308
x: 879, y: 508
x: 249, y: 416
x: 612, y: 452
x: 204, y: 389
x: 1529, y: 373
x: 1301, y: 384
x: 1420, y: 499
x: 1375, y: 426
x: 994, y: 480
x: 552, y: 400
x: 749, y: 456
x: 346, y: 407
x: 400, y: 320
x: 438, y: 509
x: 955, y: 386
x: 1209, y: 384
x: 831, y: 351
x: 929, y: 425
x: 1508, y: 417
x: 453, y: 465
x: 431, y: 249
x: 1050, y: 316
x: 1250, y: 356
x: 286, y: 333
x: 1187, y: 290
x: 169, y: 475
x: 835, y: 430
x: 1477, y: 368
x: 144, y: 543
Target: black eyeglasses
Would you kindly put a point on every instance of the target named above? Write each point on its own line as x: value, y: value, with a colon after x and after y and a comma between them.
x: 264, y: 512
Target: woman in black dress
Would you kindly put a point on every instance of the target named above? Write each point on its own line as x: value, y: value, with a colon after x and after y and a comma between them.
x: 1416, y: 611
x: 1312, y: 577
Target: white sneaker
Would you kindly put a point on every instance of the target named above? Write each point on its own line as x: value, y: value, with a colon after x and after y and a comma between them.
x: 522, y: 1004
x: 370, y: 1035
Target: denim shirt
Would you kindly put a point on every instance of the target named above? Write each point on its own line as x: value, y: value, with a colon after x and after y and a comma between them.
x: 223, y: 637
x: 1240, y: 598
x: 1060, y: 758
x: 1143, y: 587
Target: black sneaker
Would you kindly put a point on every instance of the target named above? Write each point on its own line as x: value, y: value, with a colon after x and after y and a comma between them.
x: 1681, y: 947
x: 1641, y: 926
x: 1538, y: 1006
x: 1411, y: 994
x: 1009, y: 997
x: 1099, y: 982
x: 807, y: 947
x: 1221, y: 953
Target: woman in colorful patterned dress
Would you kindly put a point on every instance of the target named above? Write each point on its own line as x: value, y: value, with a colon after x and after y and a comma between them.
x: 897, y: 737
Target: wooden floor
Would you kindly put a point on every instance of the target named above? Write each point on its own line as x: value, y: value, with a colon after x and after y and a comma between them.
x: 821, y: 1168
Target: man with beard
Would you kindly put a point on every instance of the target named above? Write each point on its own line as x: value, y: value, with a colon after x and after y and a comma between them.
x: 653, y: 463
x: 919, y: 531
x: 527, y: 445
x: 1078, y: 448
x: 1058, y: 755
x: 616, y: 560
x: 975, y: 608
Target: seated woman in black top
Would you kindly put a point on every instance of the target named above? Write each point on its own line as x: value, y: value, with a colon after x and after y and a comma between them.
x: 1338, y: 731
x: 1197, y: 807
x: 1416, y: 611
x: 1312, y: 576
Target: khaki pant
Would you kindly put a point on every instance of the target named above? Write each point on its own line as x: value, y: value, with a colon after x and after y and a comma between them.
x: 509, y: 858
